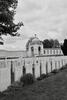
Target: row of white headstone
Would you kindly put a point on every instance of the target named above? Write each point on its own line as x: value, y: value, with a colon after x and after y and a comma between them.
x: 21, y: 66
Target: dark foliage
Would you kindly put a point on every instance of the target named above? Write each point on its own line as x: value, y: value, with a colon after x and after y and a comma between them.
x: 2, y: 94
x: 61, y: 68
x: 55, y: 71
x: 64, y: 47
x: 7, y: 12
x: 51, y: 43
x: 15, y: 86
x: 27, y: 79
x: 64, y: 67
x: 42, y: 77
x: 46, y: 44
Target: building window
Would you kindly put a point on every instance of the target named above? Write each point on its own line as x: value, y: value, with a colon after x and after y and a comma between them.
x: 57, y: 51
x: 47, y: 51
x: 37, y: 61
x: 54, y: 51
x: 39, y: 50
x: 32, y: 50
x: 44, y: 51
x: 50, y: 51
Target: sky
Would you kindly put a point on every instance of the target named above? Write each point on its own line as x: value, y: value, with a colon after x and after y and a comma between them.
x: 46, y: 18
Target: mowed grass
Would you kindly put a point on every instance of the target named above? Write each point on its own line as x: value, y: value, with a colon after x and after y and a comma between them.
x: 51, y: 88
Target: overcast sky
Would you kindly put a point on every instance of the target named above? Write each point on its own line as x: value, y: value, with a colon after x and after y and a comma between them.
x: 46, y: 18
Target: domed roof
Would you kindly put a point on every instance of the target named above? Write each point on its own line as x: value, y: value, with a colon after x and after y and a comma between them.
x: 32, y: 41
x: 35, y: 40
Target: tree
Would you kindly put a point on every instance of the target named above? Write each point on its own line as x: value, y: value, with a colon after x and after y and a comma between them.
x: 56, y: 43
x: 7, y: 12
x: 46, y: 43
x: 64, y: 47
x: 51, y: 43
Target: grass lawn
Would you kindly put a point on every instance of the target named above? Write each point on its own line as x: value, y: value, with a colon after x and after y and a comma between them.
x: 51, y: 88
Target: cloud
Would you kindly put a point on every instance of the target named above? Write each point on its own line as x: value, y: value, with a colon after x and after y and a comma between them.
x: 53, y: 18
x: 47, y: 18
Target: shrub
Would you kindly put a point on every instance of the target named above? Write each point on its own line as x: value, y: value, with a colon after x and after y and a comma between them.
x: 42, y: 77
x: 61, y: 68
x: 27, y: 79
x: 16, y: 85
x: 1, y: 94
x: 64, y: 67
x: 54, y: 71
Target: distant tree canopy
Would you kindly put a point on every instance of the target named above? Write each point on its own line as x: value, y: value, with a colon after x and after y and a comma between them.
x: 64, y: 47
x: 7, y: 12
x: 51, y: 43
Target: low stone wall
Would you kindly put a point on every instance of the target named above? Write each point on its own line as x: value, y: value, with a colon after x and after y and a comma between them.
x: 12, y: 69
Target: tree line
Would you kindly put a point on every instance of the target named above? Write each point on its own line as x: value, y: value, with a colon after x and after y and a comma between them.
x: 50, y: 43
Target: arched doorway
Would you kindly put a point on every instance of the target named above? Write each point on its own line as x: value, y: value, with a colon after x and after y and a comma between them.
x: 39, y: 50
x: 32, y: 51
